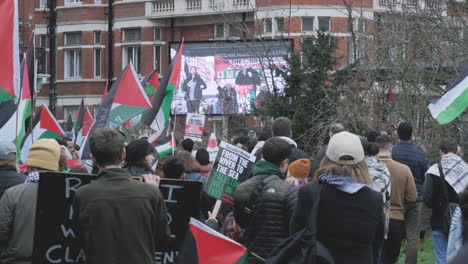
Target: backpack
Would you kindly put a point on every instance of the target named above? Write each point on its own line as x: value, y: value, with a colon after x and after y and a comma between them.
x: 303, y: 247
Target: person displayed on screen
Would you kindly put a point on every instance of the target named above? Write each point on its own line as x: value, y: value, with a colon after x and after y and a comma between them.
x: 247, y: 80
x: 194, y: 86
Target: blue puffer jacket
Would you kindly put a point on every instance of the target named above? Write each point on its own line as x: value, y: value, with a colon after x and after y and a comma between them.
x: 404, y: 152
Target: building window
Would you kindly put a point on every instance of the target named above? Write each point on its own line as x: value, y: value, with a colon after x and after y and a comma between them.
x: 72, y: 63
x: 132, y: 34
x: 41, y: 54
x: 232, y: 31
x: 267, y: 25
x: 70, y: 110
x: 73, y: 38
x: 97, y: 1
x: 72, y: 2
x: 157, y: 34
x: 97, y: 37
x: 42, y: 41
x: 131, y: 54
x: 157, y: 58
x: 307, y: 24
x: 97, y: 63
x: 279, y: 24
x: 359, y: 25
x: 42, y: 3
x: 219, y: 30
x: 324, y: 24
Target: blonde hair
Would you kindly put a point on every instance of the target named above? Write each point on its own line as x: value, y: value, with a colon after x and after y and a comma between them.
x: 359, y: 171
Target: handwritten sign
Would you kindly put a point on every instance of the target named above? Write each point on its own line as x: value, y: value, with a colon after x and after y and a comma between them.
x: 194, y: 126
x: 231, y: 167
x: 182, y: 201
x: 55, y: 240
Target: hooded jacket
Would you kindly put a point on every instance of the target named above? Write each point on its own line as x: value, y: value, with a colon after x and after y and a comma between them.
x: 268, y: 226
x: 350, y: 221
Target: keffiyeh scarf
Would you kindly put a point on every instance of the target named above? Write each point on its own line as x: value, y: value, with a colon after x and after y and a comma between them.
x: 343, y: 183
x: 455, y: 170
x: 33, y: 177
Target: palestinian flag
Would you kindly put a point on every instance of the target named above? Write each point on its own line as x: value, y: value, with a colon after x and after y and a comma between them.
x: 10, y: 64
x: 125, y: 100
x: 13, y: 130
x: 79, y: 118
x: 151, y: 83
x: 158, y: 117
x: 212, y: 147
x: 165, y: 144
x: 86, y: 125
x: 44, y: 126
x: 204, y: 245
x: 453, y: 102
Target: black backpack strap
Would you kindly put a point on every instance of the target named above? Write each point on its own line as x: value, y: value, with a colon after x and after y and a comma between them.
x: 315, y: 189
x: 253, y: 200
x: 444, y: 183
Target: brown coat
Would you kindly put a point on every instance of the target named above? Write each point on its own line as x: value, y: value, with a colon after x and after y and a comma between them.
x: 403, y: 187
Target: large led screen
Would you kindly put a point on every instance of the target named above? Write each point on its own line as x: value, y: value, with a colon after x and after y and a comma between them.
x: 228, y: 77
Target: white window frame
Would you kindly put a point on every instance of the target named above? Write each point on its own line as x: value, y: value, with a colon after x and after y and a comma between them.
x: 99, y: 39
x: 42, y: 3
x: 77, y: 70
x: 67, y: 112
x: 155, y: 47
x: 124, y: 31
x: 329, y: 23
x: 356, y: 23
x: 265, y: 26
x: 277, y: 27
x: 73, y: 2
x: 137, y: 63
x: 65, y: 38
x: 313, y: 23
x: 157, y: 37
x: 216, y: 31
x: 98, y: 65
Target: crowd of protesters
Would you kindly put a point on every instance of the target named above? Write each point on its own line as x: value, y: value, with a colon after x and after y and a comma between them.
x: 356, y: 200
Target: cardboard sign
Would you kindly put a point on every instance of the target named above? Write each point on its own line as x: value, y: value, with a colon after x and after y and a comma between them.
x: 182, y: 202
x: 231, y: 167
x: 55, y: 241
x: 194, y: 126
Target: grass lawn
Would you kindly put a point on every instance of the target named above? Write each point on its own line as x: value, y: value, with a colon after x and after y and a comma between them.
x: 425, y: 254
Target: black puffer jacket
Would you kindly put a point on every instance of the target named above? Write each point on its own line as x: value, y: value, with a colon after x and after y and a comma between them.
x: 9, y: 178
x: 269, y: 225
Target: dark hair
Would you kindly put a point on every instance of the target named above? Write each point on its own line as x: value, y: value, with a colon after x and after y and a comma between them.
x: 372, y: 135
x: 264, y: 136
x: 335, y: 128
x: 189, y: 161
x: 137, y: 151
x: 404, y: 131
x: 370, y: 148
x: 63, y: 140
x: 187, y: 144
x: 173, y: 168
x: 251, y: 144
x: 276, y: 150
x: 384, y: 141
x: 106, y: 145
x: 282, y: 127
x: 203, y: 157
x: 448, y: 144
x: 241, y: 140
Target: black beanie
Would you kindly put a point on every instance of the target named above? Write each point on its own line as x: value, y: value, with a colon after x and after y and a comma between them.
x: 203, y: 157
x: 138, y: 150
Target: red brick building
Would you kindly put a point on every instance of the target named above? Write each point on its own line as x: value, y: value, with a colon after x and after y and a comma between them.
x: 143, y: 30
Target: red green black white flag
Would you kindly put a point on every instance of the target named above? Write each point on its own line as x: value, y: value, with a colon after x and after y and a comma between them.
x: 204, y: 245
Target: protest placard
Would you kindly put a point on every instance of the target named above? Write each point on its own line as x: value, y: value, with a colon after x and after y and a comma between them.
x: 231, y: 167
x: 55, y: 240
x: 194, y: 126
x: 182, y: 201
